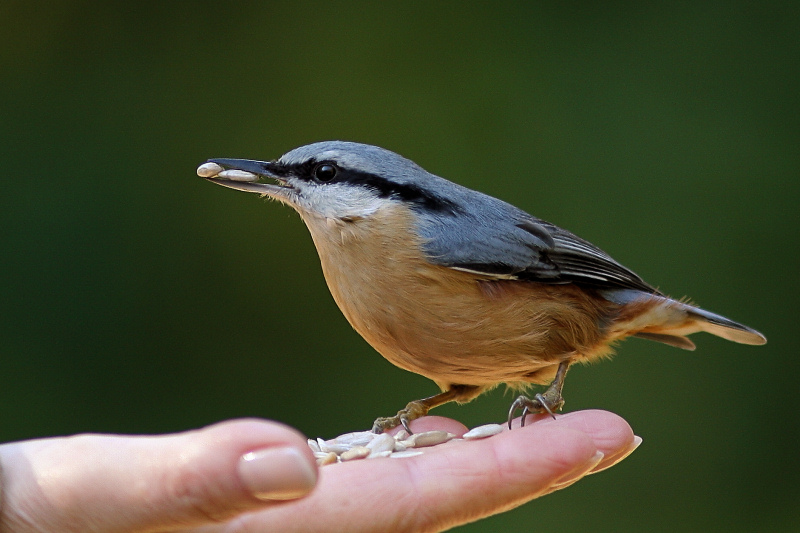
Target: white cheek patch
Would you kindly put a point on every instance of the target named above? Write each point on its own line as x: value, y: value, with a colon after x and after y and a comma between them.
x: 340, y: 201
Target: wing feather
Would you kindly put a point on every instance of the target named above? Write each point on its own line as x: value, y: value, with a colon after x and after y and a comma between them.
x: 501, y: 241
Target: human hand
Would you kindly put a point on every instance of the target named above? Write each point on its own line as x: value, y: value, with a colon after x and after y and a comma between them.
x: 256, y: 475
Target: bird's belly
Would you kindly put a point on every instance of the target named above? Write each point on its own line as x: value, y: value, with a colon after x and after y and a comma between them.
x: 454, y: 328
x: 451, y: 326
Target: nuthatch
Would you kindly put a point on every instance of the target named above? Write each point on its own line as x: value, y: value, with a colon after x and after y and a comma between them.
x: 459, y: 286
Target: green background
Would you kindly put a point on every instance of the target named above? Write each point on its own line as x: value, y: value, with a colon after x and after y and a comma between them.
x: 137, y: 298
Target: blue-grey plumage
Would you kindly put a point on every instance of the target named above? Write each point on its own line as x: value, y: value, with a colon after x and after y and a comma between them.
x: 459, y: 286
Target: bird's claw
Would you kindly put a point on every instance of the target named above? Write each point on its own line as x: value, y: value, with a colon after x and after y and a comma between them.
x: 412, y: 411
x: 549, y: 402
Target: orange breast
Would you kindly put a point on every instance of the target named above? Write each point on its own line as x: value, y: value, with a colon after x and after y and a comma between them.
x: 448, y: 325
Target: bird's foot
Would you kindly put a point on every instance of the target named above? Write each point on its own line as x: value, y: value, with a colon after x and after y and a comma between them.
x: 412, y: 411
x: 548, y: 402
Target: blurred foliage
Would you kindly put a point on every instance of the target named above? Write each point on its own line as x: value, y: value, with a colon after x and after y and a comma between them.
x: 139, y: 298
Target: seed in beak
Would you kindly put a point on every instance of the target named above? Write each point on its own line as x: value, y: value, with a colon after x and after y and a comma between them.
x: 209, y: 170
x: 237, y: 175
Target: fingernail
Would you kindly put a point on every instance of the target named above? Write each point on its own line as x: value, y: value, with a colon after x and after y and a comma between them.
x: 575, y: 475
x: 277, y: 473
x: 637, y: 440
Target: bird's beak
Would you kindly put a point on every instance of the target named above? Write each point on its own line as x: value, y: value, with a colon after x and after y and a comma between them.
x: 244, y: 175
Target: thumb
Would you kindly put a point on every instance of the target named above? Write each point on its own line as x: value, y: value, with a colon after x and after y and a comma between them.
x: 143, y: 483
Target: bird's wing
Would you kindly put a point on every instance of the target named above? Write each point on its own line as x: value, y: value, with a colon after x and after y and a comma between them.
x: 503, y: 242
x: 580, y: 261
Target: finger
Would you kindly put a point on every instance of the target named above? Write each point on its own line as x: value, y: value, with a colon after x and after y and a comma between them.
x: 450, y: 484
x: 118, y: 483
x: 615, y: 445
x: 601, y: 465
x: 616, y: 441
x: 635, y: 443
x: 433, y: 423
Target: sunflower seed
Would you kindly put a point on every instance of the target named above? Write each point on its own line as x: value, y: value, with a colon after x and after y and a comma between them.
x: 313, y: 445
x: 384, y: 453
x: 327, y: 459
x: 337, y: 448
x: 481, y: 432
x: 237, y: 175
x: 381, y: 443
x: 405, y: 453
x: 429, y: 438
x: 356, y: 452
x: 401, y: 435
x: 356, y: 438
x: 209, y: 170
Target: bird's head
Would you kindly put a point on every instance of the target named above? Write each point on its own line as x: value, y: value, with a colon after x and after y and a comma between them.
x: 334, y: 179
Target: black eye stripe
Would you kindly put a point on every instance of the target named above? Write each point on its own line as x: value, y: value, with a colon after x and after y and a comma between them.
x: 385, y: 188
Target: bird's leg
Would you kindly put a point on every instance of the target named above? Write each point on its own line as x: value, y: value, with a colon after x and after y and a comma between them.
x: 419, y: 408
x: 549, y: 401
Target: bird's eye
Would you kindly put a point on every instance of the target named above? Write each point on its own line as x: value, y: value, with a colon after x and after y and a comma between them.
x: 325, y: 172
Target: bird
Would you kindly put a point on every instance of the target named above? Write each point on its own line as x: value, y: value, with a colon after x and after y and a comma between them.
x: 458, y: 286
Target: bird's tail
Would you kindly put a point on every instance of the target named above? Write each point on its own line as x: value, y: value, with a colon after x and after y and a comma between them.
x: 724, y: 327
x: 669, y: 321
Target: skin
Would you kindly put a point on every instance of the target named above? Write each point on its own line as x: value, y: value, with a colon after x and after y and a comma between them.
x: 190, y: 482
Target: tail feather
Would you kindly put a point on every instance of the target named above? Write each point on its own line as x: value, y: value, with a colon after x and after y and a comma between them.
x: 678, y: 341
x: 725, y: 328
x: 666, y: 320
